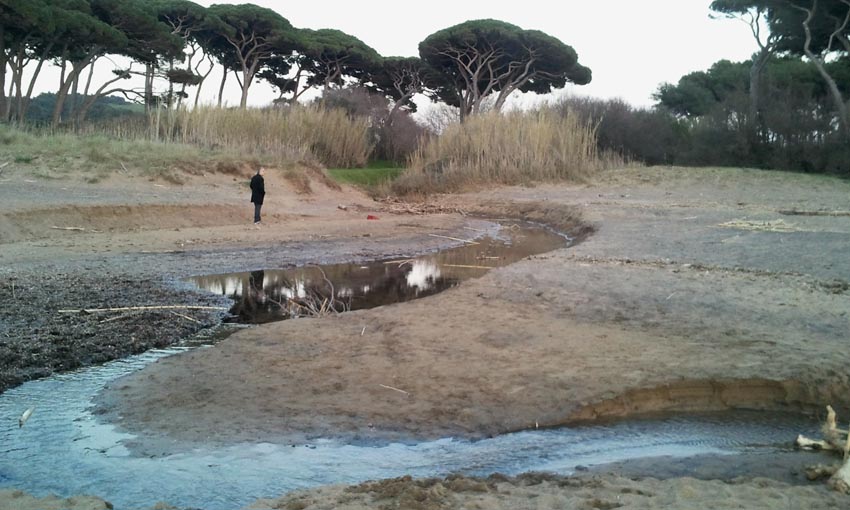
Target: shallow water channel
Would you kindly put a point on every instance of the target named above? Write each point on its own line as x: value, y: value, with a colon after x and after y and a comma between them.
x: 64, y: 449
x: 268, y: 295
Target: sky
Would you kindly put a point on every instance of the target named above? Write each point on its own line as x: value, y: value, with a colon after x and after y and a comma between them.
x: 632, y: 46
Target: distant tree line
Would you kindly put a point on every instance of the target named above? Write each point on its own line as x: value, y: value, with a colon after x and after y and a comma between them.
x: 175, y: 44
x: 786, y: 107
x: 41, y: 107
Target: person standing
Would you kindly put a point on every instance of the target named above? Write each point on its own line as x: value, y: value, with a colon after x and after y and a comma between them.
x: 258, y: 193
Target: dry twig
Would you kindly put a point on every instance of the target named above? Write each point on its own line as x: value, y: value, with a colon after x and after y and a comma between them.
x: 134, y: 308
x: 454, y: 239
x: 186, y: 317
x: 394, y: 389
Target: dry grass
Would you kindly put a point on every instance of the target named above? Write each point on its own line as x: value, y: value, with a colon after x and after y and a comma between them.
x: 170, y: 146
x: 512, y: 148
x: 284, y: 135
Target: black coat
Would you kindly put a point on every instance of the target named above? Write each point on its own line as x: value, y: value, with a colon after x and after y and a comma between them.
x: 258, y: 189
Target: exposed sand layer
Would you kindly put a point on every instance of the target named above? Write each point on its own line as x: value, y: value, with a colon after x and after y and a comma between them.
x: 545, y: 492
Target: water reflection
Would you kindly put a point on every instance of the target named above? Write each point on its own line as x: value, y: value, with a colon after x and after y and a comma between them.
x: 277, y: 294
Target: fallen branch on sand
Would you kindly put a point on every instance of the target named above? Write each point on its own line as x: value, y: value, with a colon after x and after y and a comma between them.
x: 454, y: 239
x: 394, y: 389
x: 135, y: 308
x: 835, y: 439
x: 75, y: 229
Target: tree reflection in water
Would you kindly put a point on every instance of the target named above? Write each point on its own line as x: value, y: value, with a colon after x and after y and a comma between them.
x: 271, y: 295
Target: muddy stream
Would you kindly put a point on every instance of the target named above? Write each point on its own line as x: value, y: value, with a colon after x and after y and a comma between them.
x: 64, y: 449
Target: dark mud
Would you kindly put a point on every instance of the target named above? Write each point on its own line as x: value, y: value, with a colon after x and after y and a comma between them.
x: 36, y: 340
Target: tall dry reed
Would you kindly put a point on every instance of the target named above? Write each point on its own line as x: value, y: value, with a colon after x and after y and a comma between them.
x: 510, y: 148
x: 311, y: 134
x: 300, y: 133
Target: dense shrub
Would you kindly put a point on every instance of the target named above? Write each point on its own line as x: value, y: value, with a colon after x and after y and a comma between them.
x: 392, y: 139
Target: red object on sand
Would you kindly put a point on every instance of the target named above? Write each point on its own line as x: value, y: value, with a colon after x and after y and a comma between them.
x: 371, y: 217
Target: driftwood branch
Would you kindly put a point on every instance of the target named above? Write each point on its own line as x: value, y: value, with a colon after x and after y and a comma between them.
x: 135, y: 308
x: 835, y: 439
x: 24, y: 417
x: 454, y: 239
x: 394, y: 389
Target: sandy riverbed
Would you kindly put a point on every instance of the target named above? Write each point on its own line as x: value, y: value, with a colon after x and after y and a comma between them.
x: 699, y: 290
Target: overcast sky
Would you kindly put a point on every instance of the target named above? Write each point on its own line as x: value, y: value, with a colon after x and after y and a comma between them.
x: 632, y: 46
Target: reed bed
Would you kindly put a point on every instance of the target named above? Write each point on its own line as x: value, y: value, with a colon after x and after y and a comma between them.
x: 512, y: 148
x: 301, y: 133
x: 167, y: 144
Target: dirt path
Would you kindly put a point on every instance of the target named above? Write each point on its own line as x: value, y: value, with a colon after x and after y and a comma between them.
x: 699, y: 290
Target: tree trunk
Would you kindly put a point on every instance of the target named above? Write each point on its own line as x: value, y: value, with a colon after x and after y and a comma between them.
x: 148, y: 87
x: 221, y: 87
x: 65, y: 85
x: 4, y: 112
x: 198, y: 91
x: 28, y: 96
x: 835, y: 94
x: 246, y: 84
x: 203, y: 78
x: 397, y: 106
x: 755, y: 89
x: 170, y: 85
x: 17, y: 79
x: 4, y: 101
x: 11, y: 94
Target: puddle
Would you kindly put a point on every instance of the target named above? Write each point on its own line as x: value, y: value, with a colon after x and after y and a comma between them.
x: 64, y: 449
x: 270, y: 295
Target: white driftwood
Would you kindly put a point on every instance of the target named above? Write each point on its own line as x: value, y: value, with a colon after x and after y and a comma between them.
x: 835, y: 439
x: 813, y: 444
x: 840, y: 481
x: 833, y: 435
x: 24, y: 417
x: 454, y: 239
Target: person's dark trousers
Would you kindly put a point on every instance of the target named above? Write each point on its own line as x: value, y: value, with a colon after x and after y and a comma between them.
x: 257, y: 208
